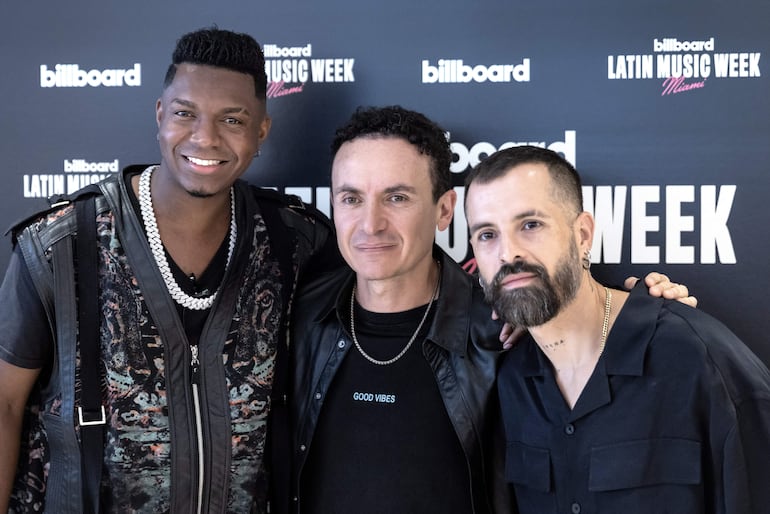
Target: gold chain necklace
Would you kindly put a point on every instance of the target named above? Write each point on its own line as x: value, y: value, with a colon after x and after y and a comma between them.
x: 411, y: 339
x: 606, y: 323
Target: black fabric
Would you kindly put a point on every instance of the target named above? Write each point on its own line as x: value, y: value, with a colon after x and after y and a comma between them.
x: 278, y: 434
x: 675, y: 418
x: 210, y: 280
x: 461, y: 350
x: 36, y: 348
x: 92, y: 412
x: 228, y: 458
x: 22, y: 302
x: 372, y: 416
x: 281, y: 214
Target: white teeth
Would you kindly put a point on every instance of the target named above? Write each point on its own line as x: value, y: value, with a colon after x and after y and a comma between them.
x: 202, y: 162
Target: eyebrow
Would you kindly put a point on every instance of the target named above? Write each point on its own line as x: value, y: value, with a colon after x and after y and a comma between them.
x: 227, y: 110
x: 526, y: 214
x: 478, y: 226
x: 344, y: 188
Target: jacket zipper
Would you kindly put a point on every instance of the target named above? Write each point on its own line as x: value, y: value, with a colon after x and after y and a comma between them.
x: 195, y: 369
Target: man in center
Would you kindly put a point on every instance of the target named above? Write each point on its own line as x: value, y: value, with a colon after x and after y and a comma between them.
x: 395, y: 405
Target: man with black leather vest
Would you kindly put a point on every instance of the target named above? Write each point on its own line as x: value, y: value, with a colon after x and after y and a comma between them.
x: 192, y: 278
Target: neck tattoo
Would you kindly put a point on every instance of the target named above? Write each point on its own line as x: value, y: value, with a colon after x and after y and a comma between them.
x: 158, y: 252
x: 411, y: 339
x: 605, y: 325
x: 551, y: 346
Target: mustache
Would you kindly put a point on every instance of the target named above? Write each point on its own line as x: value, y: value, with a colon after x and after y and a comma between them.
x: 513, y: 268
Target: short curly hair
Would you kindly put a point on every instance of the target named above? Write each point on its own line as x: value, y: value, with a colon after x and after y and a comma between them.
x: 223, y: 49
x: 414, y: 127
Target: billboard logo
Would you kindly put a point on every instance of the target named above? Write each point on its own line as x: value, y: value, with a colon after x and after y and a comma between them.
x: 456, y: 71
x: 290, y: 68
x: 70, y: 75
x: 77, y: 173
x: 672, y: 44
x: 684, y: 65
x: 464, y: 157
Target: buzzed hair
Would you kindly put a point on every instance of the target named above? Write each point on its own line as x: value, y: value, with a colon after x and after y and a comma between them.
x: 567, y: 186
x: 222, y: 49
x: 411, y: 126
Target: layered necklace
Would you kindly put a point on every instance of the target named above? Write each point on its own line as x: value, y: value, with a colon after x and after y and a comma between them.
x: 411, y: 339
x: 606, y: 322
x: 156, y: 245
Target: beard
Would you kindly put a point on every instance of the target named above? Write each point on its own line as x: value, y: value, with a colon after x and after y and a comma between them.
x: 199, y: 194
x: 535, y: 304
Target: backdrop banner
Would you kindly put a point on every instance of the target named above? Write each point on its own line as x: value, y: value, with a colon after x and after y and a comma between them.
x: 663, y: 107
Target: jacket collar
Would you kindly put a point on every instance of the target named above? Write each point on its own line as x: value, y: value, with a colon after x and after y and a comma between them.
x: 338, y: 299
x: 451, y: 321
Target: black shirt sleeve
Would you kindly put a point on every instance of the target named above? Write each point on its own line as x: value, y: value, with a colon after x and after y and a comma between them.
x: 25, y: 337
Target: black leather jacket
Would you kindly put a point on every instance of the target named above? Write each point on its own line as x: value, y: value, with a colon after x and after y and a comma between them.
x: 461, y: 348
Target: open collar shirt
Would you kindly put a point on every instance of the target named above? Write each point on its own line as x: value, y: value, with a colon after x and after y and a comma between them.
x: 675, y: 418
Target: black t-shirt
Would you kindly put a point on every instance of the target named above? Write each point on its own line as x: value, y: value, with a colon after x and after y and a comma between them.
x: 384, y: 442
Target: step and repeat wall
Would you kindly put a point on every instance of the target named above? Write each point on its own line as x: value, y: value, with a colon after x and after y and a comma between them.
x: 663, y: 107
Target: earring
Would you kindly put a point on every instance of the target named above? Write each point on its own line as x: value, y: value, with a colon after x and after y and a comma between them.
x: 259, y: 152
x: 587, y: 260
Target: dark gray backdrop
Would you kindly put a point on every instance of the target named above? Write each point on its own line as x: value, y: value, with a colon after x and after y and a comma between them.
x: 626, y: 133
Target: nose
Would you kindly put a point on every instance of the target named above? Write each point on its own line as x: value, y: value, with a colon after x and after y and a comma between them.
x: 507, y: 249
x: 205, y: 132
x: 373, y: 220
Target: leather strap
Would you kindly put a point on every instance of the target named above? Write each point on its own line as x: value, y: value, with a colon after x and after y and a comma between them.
x: 91, y: 415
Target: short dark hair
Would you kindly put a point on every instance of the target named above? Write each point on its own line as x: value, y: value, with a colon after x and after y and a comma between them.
x: 223, y: 49
x: 411, y: 126
x: 567, y: 184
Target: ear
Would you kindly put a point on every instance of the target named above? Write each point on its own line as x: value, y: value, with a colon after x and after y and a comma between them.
x: 264, y: 129
x: 445, y: 209
x: 584, y: 231
x: 158, y: 111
